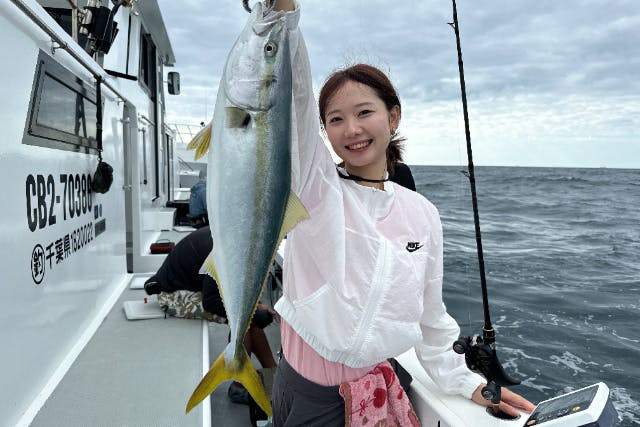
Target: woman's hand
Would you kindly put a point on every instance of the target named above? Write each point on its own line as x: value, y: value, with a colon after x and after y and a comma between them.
x: 275, y: 315
x: 511, y: 402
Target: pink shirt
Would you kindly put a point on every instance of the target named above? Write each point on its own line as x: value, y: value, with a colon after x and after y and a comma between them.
x: 308, y: 363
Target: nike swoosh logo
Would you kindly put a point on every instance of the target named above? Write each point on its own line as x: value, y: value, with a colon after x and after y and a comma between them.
x: 413, y: 246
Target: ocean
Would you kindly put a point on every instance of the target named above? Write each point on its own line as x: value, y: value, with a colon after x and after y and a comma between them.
x: 562, y: 260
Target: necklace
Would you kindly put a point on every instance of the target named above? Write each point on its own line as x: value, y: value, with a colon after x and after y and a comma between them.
x: 359, y: 178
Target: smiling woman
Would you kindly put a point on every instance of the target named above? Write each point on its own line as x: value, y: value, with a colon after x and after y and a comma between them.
x: 370, y: 254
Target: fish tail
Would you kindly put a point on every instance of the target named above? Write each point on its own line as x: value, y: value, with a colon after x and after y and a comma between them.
x: 200, y: 143
x: 249, y: 378
x: 217, y: 374
x: 245, y: 374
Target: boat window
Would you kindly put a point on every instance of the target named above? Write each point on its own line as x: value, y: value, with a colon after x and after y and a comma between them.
x: 147, y: 75
x: 62, y: 110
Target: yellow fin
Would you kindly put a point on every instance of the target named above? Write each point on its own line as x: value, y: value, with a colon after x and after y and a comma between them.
x: 237, y: 117
x: 200, y: 143
x: 209, y: 267
x: 252, y: 382
x: 295, y: 213
x: 218, y: 373
x: 209, y: 382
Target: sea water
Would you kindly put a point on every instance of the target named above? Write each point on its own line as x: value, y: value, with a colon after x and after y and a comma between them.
x: 562, y: 260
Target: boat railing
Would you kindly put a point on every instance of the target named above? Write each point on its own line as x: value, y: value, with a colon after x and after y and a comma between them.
x: 82, y: 57
x: 184, y: 131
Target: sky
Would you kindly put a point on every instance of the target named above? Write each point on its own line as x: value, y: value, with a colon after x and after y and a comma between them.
x: 552, y: 83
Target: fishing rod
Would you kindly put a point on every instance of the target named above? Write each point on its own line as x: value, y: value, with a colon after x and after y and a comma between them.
x: 480, y: 352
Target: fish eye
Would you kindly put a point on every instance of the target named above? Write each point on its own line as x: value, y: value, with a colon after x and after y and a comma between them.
x: 270, y: 49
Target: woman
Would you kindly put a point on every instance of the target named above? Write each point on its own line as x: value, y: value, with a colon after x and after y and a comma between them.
x: 363, y: 275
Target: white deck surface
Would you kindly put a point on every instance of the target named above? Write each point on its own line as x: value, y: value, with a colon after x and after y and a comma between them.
x: 135, y: 373
x: 142, y: 372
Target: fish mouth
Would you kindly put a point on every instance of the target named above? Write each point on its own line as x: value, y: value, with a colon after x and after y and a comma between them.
x: 360, y: 145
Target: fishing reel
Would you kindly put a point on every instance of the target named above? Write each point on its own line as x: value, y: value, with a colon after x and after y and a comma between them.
x: 480, y: 356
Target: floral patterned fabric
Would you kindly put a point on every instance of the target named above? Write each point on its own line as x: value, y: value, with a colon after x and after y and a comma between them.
x: 377, y: 400
x: 186, y: 304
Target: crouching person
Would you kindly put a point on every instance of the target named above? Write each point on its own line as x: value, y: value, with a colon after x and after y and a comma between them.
x: 184, y: 292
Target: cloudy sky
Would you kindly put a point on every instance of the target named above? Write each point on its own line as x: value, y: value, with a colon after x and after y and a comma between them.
x: 549, y: 82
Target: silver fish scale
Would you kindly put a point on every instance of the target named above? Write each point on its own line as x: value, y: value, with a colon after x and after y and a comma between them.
x: 249, y: 170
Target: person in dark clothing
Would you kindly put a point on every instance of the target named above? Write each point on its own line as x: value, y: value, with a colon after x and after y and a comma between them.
x: 198, y: 202
x: 402, y: 175
x: 180, y: 271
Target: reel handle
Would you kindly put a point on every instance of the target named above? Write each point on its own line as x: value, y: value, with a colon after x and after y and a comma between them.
x: 482, y: 358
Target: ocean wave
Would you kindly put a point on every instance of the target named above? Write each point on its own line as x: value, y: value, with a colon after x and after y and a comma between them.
x: 627, y: 407
x: 561, y: 257
x: 573, y: 362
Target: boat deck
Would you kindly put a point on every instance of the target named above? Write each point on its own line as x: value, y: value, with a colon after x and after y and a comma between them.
x: 142, y: 372
x: 130, y: 372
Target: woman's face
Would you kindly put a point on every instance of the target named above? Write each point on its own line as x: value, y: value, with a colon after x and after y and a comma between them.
x: 359, y: 125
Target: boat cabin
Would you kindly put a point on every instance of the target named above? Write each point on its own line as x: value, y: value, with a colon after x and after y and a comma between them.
x: 83, y: 83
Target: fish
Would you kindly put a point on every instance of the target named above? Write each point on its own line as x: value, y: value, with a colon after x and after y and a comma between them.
x: 250, y: 203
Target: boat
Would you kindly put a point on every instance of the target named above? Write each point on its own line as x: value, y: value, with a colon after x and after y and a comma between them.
x: 84, y: 85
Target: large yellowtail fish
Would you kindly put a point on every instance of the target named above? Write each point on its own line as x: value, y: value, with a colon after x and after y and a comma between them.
x: 249, y: 200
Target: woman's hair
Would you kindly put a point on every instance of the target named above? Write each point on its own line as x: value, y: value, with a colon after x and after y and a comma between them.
x: 378, y: 81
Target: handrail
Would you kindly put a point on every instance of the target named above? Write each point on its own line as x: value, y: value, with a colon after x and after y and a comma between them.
x: 182, y: 162
x: 185, y: 130
x: 144, y: 118
x: 20, y: 4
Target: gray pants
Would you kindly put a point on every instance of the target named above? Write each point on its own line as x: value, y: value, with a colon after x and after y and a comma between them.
x: 296, y: 401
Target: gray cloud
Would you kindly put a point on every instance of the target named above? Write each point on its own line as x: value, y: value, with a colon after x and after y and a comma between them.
x: 540, y: 71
